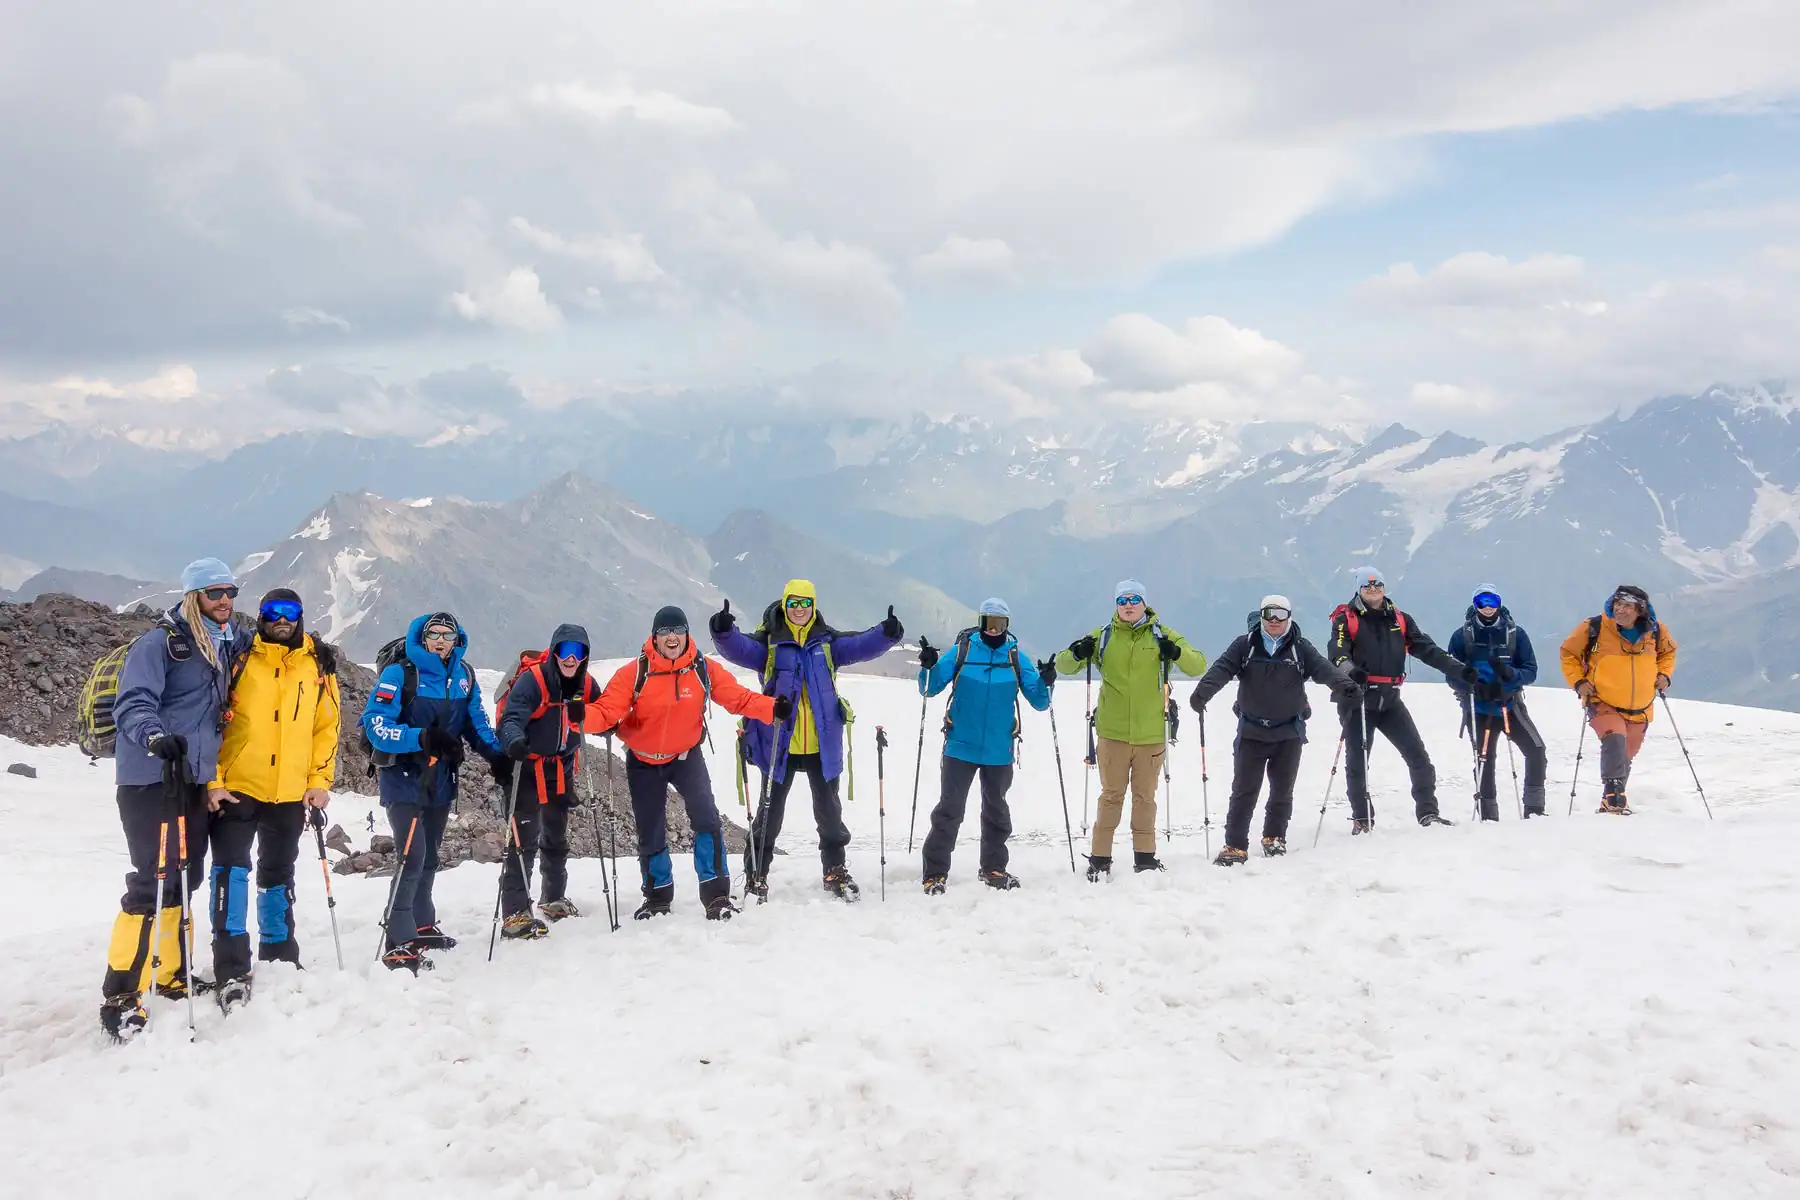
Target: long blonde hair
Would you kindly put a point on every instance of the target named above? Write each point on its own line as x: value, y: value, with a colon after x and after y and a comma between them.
x: 197, y: 623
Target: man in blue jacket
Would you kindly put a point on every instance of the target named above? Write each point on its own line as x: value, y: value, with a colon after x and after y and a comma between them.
x: 986, y: 676
x: 423, y: 709
x: 1494, y: 703
x: 173, y: 689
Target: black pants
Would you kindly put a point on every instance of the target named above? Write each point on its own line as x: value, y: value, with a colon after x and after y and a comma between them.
x: 649, y: 785
x: 413, y: 906
x: 953, y: 800
x: 276, y: 829
x: 1250, y: 760
x: 1386, y: 714
x: 142, y: 812
x: 828, y: 814
x: 1489, y: 729
x: 541, y: 817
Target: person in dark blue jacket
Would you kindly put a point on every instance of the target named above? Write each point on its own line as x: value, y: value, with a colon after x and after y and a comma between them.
x: 418, y: 730
x: 1494, y: 703
x: 986, y: 675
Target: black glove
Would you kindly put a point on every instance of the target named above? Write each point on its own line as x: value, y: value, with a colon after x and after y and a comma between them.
x: 1505, y: 671
x: 1468, y: 674
x: 438, y: 742
x: 518, y: 750
x: 1195, y: 702
x: 784, y: 708
x: 576, y: 711
x: 1346, y: 691
x: 1490, y: 693
x: 1047, y: 672
x: 891, y: 628
x: 170, y: 747
x: 1082, y: 647
x: 928, y: 654
x: 1358, y: 676
x: 1168, y: 649
x: 503, y: 774
x: 722, y: 621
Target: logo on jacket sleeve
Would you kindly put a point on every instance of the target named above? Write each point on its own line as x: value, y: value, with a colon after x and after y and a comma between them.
x: 385, y: 691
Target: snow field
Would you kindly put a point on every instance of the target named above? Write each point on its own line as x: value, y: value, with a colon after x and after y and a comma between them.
x: 1569, y: 1007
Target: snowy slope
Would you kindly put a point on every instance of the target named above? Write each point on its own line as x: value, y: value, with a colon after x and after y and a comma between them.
x: 1572, y: 1007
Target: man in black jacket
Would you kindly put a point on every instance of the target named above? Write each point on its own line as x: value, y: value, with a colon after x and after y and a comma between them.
x: 1370, y: 639
x: 1271, y: 663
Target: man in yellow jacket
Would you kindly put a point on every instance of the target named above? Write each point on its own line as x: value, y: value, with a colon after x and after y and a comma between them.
x: 1617, y: 663
x: 278, y: 760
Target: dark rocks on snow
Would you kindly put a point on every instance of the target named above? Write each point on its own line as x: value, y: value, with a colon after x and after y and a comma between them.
x: 25, y: 769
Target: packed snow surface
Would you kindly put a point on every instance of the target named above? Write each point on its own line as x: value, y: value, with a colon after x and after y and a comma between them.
x: 1578, y: 1007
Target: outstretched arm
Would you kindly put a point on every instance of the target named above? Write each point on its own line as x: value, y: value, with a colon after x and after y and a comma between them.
x: 381, y: 719
x: 1225, y: 668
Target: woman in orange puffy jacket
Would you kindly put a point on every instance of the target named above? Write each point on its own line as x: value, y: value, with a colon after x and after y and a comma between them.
x: 658, y: 707
x: 1617, y: 663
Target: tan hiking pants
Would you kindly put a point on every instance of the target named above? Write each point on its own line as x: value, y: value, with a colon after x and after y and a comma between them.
x: 1140, y: 767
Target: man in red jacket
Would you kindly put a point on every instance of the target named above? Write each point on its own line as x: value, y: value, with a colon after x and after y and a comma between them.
x: 658, y: 706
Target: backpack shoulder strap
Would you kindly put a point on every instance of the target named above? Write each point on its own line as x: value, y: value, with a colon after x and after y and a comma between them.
x: 543, y: 704
x: 1593, y: 640
x: 1100, y: 651
x: 962, y: 654
x: 705, y: 677
x: 643, y: 677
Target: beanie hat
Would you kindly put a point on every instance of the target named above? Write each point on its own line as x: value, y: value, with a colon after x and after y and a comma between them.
x: 668, y: 618
x: 1488, y: 592
x: 1367, y: 575
x: 203, y: 573
x: 1128, y: 587
x: 1275, y: 602
x: 994, y: 606
x: 280, y: 593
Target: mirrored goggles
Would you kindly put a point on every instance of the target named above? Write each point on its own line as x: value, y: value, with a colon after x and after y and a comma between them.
x: 439, y: 634
x: 568, y: 650
x: 1275, y: 612
x: 281, y: 610
x: 1487, y: 600
x: 995, y: 623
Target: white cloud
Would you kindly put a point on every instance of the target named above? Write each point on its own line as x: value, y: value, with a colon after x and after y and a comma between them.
x: 515, y: 302
x: 623, y: 259
x: 1137, y: 353
x: 968, y: 262
x: 311, y: 318
x: 622, y: 102
x: 1476, y: 279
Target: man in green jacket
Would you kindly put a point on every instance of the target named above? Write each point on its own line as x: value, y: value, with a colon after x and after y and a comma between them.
x: 1133, y: 656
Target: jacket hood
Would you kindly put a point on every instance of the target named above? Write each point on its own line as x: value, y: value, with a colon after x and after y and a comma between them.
x: 656, y: 657
x: 574, y: 685
x: 775, y: 622
x: 1500, y: 618
x: 429, y: 665
x: 1649, y: 617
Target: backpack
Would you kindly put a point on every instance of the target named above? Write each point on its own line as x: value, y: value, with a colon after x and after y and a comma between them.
x: 1106, y: 636
x: 96, y: 732
x: 1293, y: 645
x: 1012, y: 660
x: 389, y: 655
x: 1352, y: 623
x: 532, y: 662
x: 1512, y: 639
x: 1593, y: 639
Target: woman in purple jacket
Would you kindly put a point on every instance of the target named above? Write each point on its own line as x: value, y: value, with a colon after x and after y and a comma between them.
x: 797, y: 654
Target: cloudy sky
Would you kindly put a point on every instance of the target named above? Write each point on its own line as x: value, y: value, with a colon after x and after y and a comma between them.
x: 1497, y: 218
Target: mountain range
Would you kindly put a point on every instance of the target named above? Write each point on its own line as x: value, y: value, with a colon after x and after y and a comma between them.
x: 1696, y: 498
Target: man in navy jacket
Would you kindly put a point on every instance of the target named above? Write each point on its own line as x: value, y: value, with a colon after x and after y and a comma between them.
x: 1494, y: 704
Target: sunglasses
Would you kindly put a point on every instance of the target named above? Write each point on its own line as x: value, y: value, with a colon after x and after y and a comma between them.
x: 1374, y: 585
x: 282, y: 610
x: 567, y: 650
x: 220, y: 593
x: 798, y: 602
x: 1127, y: 601
x: 1273, y: 613
x: 440, y: 635
x: 666, y: 630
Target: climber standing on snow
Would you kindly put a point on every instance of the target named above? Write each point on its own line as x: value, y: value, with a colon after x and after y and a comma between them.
x: 1132, y: 654
x: 1272, y: 664
x: 797, y: 655
x: 986, y: 676
x: 1371, y: 639
x: 1494, y: 705
x: 1617, y: 663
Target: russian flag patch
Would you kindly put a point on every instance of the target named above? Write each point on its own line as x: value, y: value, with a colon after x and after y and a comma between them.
x: 385, y: 692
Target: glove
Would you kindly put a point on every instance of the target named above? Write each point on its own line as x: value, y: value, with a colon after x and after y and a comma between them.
x: 576, y: 711
x: 518, y: 750
x: 722, y: 621
x: 1484, y: 671
x: 1585, y: 690
x: 1506, y: 672
x: 1359, y: 677
x: 1468, y: 674
x: 928, y: 655
x: 503, y: 774
x: 438, y: 742
x: 1082, y: 647
x: 1168, y: 649
x: 1195, y: 702
x: 170, y: 747
x: 1047, y: 672
x: 1663, y: 682
x: 1346, y: 691
x: 891, y: 629
x: 1490, y: 693
x: 784, y: 708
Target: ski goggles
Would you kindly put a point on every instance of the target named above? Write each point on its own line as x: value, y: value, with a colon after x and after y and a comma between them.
x: 281, y: 610
x: 567, y: 650
x: 219, y: 593
x: 1487, y: 600
x: 666, y: 630
x: 995, y: 622
x: 1275, y: 612
x: 799, y: 602
x: 438, y: 634
x: 1127, y: 601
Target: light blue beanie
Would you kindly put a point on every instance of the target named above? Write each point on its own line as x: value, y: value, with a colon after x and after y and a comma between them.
x: 994, y: 606
x: 203, y: 573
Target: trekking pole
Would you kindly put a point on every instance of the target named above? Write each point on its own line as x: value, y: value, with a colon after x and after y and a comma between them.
x: 594, y: 805
x: 1512, y: 761
x: 612, y: 837
x: 387, y: 913
x: 187, y: 908
x: 1172, y: 719
x: 1061, y: 787
x: 1362, y: 710
x: 1329, y: 780
x: 317, y: 821
x: 162, y: 875
x: 1480, y: 762
x: 1670, y: 713
x: 881, y: 742
x: 1092, y: 752
x: 1580, y: 743
x: 512, y: 843
x: 1205, y: 803
x: 918, y: 765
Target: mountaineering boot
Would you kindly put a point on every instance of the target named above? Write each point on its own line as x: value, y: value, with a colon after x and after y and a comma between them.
x: 1613, y: 797
x: 1490, y: 808
x: 1145, y: 860
x: 839, y: 884
x: 1000, y: 880
x: 523, y: 927
x: 1231, y: 856
x: 1274, y: 847
x: 558, y: 910
x: 651, y: 907
x: 756, y: 883
x: 1362, y: 825
x: 934, y: 884
x: 1099, y: 867
x: 430, y: 937
x: 405, y: 958
x: 1430, y: 819
x: 123, y: 1017
x: 719, y: 908
x: 176, y: 989
x: 233, y: 993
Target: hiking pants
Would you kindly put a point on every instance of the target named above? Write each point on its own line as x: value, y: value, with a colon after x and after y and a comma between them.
x: 1620, y: 740
x: 413, y: 906
x: 143, y: 915
x: 1123, y: 765
x: 1386, y: 714
x: 953, y: 801
x: 276, y: 829
x: 828, y: 814
x: 541, y: 817
x: 649, y: 784
x: 1250, y: 760
x: 1489, y: 729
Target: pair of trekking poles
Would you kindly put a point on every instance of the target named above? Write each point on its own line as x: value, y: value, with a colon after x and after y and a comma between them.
x: 1669, y: 712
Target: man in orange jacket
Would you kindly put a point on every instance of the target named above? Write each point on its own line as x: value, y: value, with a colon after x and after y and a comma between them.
x: 658, y: 705
x: 1617, y: 663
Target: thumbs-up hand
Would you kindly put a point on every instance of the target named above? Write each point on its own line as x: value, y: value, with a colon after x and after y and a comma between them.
x: 891, y: 628
x: 722, y: 621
